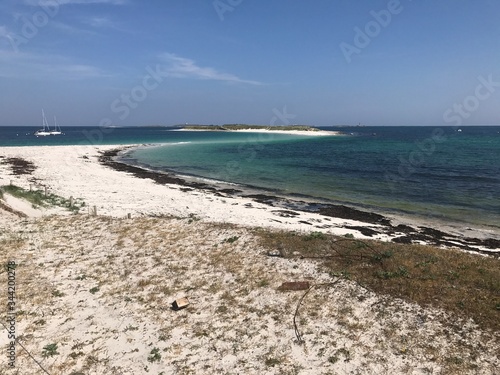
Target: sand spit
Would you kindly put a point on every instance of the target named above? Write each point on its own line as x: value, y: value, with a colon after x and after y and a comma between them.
x: 268, y: 131
x: 94, y: 297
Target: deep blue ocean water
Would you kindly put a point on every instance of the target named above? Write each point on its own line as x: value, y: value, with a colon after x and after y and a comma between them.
x: 442, y: 173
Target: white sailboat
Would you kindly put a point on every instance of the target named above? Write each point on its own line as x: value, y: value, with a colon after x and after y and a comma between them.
x: 45, y: 127
x: 57, y: 129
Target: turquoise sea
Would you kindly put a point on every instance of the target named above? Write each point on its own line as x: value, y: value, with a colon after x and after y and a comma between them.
x: 441, y: 173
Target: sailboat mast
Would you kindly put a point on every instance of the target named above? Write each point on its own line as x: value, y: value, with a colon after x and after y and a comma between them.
x: 45, y: 123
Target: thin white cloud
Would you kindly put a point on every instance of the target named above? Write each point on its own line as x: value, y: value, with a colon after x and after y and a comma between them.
x: 182, y: 67
x: 22, y: 65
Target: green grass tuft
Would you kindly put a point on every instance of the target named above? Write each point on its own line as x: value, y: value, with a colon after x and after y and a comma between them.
x: 37, y: 198
x: 49, y: 350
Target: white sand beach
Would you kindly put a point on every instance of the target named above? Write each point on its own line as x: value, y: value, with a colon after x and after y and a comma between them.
x: 100, y: 287
x: 74, y: 171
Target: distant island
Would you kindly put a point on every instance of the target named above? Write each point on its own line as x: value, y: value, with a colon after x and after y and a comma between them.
x: 282, y: 129
x: 233, y: 127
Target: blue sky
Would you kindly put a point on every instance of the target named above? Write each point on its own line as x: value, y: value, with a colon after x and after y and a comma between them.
x: 165, y: 62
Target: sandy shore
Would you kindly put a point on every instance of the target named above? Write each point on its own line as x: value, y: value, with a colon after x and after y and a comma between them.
x: 94, y: 292
x: 86, y: 173
x: 75, y: 171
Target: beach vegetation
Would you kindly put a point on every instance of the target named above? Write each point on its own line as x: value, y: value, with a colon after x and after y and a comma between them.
x: 271, y: 362
x: 94, y: 290
x: 143, y: 283
x: 315, y: 236
x: 340, y: 353
x: 154, y: 355
x: 461, y: 283
x: 37, y: 198
x: 49, y: 350
x: 400, y: 272
x: 263, y: 283
x: 163, y: 337
x: 340, y: 274
x: 34, y: 197
x: 130, y: 327
x: 222, y: 309
x: 14, y: 242
x: 75, y: 355
x: 57, y: 293
x: 232, y: 239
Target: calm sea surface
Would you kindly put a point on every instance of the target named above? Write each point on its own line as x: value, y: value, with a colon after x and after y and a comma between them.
x: 442, y: 173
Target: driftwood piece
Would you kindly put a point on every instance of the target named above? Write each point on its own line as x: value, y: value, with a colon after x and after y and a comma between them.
x: 294, y: 285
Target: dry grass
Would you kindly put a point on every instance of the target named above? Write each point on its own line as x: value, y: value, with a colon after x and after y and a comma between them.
x: 101, y: 288
x: 467, y: 285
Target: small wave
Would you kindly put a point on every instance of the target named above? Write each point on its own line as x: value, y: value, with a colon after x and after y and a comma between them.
x: 167, y: 144
x: 206, y: 179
